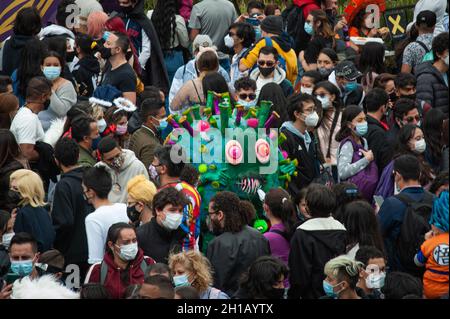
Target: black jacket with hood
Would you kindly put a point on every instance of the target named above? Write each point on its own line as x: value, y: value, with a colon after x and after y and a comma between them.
x: 431, y: 86
x: 68, y: 215
x: 86, y: 73
x: 12, y: 53
x: 313, y: 244
x: 5, y: 173
x: 308, y: 161
x: 377, y: 138
x: 155, y: 72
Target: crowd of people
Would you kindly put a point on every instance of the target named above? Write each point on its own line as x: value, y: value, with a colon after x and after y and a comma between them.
x: 92, y: 205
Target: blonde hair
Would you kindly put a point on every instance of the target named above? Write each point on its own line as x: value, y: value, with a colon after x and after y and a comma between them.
x: 343, y: 268
x: 97, y: 112
x: 141, y: 189
x: 30, y: 186
x: 197, y: 264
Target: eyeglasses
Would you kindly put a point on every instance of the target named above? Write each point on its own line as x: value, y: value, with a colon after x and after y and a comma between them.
x: 411, y: 119
x: 264, y: 63
x: 244, y: 96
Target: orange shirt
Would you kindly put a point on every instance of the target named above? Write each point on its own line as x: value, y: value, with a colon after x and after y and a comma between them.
x: 434, y: 254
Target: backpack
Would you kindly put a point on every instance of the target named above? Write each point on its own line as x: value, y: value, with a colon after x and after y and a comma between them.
x: 269, y: 43
x: 104, y: 270
x: 295, y: 27
x: 415, y: 225
x: 367, y: 179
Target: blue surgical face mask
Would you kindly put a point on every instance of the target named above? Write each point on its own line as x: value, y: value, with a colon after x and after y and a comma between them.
x: 22, y: 267
x: 361, y: 129
x: 247, y: 104
x: 95, y: 143
x: 308, y: 28
x: 258, y: 34
x: 163, y: 124
x: 52, y: 72
x: 350, y: 86
x: 181, y: 280
x: 329, y: 289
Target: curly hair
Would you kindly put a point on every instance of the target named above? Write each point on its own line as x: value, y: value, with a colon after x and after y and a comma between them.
x: 265, y: 272
x: 196, y: 264
x: 230, y: 204
x: 166, y: 196
x: 163, y: 18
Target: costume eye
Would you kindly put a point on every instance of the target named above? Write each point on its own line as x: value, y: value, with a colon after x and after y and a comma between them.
x: 262, y: 150
x: 233, y: 152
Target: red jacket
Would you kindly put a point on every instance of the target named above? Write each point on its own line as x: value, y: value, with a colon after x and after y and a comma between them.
x: 113, y: 283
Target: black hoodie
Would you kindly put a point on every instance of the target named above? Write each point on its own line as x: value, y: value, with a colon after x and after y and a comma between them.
x: 155, y: 72
x: 68, y: 214
x: 12, y: 53
x: 314, y: 243
x: 86, y: 73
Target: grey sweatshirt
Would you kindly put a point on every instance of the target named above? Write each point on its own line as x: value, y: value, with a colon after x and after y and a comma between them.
x: 60, y: 103
x: 346, y: 168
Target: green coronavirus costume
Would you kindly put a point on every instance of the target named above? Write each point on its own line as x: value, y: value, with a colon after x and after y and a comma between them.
x: 233, y: 150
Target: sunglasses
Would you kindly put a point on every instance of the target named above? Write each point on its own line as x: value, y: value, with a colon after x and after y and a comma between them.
x: 410, y: 119
x: 264, y: 63
x: 244, y: 96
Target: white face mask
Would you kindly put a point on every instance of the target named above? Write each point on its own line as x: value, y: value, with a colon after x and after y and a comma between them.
x: 101, y: 125
x: 375, y: 281
x: 446, y: 60
x: 306, y: 90
x: 420, y: 146
x: 6, y: 239
x: 312, y: 119
x: 172, y: 221
x: 229, y: 41
x: 128, y: 252
x: 325, y: 100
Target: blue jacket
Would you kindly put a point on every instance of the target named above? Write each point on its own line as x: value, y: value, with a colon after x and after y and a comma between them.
x: 390, y: 218
x: 36, y: 221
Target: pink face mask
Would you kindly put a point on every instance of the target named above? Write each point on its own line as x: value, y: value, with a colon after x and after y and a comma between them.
x: 122, y: 129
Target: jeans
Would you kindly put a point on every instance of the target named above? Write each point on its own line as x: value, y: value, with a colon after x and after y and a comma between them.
x: 173, y: 60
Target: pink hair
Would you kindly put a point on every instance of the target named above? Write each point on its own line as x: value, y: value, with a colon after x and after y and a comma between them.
x: 96, y: 24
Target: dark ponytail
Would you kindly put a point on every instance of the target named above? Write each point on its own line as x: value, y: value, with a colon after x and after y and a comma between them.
x: 282, y: 207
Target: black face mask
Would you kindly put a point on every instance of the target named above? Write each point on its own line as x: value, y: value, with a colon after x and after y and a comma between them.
x: 105, y: 53
x: 14, y: 197
x: 393, y: 97
x: 276, y: 293
x: 46, y: 104
x: 410, y: 96
x: 70, y: 56
x: 133, y: 214
x: 265, y: 72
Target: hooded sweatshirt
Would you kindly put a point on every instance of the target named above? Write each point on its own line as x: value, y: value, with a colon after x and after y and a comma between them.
x: 282, y: 43
x: 130, y: 168
x: 12, y: 53
x: 431, y: 86
x: 279, y: 77
x: 117, y: 280
x: 86, y: 73
x: 304, y: 149
x: 313, y: 244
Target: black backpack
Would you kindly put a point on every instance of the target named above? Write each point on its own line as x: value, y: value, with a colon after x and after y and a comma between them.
x: 415, y: 225
x: 295, y: 22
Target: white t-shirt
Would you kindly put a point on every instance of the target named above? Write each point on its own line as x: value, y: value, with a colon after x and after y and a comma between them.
x: 97, y: 226
x: 26, y: 127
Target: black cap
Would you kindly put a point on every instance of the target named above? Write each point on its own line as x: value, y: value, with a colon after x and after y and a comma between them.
x: 426, y: 17
x: 348, y: 70
x: 272, y: 24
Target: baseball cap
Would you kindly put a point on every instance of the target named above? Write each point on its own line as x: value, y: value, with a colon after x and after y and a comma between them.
x: 426, y: 17
x: 348, y: 70
x: 202, y: 40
